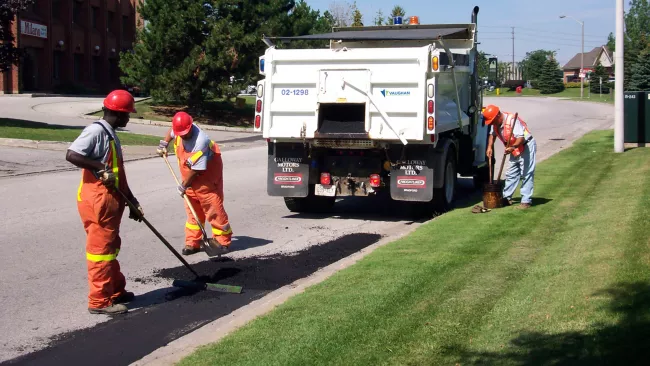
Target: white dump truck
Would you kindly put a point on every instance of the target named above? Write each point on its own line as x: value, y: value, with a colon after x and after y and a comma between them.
x: 392, y: 109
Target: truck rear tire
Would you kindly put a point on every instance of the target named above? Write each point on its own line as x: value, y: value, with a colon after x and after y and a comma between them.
x: 443, y: 197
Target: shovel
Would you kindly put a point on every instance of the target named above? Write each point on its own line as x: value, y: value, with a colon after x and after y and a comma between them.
x: 211, y: 247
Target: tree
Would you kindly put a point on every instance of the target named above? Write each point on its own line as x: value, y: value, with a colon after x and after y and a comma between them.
x: 191, y: 46
x: 397, y: 11
x: 611, y: 42
x: 357, y: 17
x: 379, y: 18
x: 595, y: 83
x: 637, y: 35
x: 550, y: 78
x: 533, y: 62
x: 482, y: 64
x: 341, y: 12
x: 640, y: 80
x: 9, y: 55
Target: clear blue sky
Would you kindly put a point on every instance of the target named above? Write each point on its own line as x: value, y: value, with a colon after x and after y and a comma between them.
x: 537, y: 23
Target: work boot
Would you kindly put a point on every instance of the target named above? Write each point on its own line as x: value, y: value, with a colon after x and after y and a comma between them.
x: 124, y: 298
x: 507, y: 202
x: 188, y: 250
x: 109, y: 310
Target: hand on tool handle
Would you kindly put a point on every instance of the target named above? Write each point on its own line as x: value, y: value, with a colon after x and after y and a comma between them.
x: 181, y: 190
x: 107, y: 177
x: 162, y: 148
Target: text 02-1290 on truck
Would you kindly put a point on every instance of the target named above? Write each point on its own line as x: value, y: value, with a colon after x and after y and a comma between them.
x: 384, y: 108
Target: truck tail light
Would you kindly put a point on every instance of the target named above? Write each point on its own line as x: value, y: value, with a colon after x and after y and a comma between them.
x: 431, y: 123
x: 430, y: 107
x: 258, y: 121
x: 325, y: 179
x: 375, y: 180
x: 434, y: 63
x: 259, y: 106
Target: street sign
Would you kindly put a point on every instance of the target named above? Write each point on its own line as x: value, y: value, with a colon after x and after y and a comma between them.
x: 582, y: 76
x: 33, y: 29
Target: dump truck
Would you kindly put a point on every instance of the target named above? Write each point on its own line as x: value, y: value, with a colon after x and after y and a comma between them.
x: 393, y: 110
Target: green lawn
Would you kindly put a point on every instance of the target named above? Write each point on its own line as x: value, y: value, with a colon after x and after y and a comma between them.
x: 215, y: 112
x: 571, y: 93
x: 565, y: 282
x: 20, y: 129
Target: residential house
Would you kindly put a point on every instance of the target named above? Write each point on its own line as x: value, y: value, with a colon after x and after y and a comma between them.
x: 572, y: 68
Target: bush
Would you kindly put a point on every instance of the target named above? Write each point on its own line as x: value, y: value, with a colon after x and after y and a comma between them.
x: 573, y: 84
x: 513, y: 84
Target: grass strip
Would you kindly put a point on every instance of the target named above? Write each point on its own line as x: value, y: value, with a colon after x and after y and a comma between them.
x: 565, y: 282
x: 21, y: 129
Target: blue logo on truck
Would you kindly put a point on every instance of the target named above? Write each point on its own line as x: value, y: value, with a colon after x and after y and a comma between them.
x: 388, y: 93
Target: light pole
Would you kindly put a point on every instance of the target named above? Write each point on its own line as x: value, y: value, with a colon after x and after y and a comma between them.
x: 582, y: 54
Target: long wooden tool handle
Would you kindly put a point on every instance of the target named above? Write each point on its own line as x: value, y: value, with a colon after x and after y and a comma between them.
x: 187, y: 200
x: 153, y: 229
x: 503, y: 161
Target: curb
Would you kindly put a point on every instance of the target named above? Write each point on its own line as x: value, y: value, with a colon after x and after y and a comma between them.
x: 149, y: 122
x: 176, y: 350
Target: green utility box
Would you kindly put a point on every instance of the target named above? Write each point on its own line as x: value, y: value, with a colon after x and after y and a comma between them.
x: 636, y: 117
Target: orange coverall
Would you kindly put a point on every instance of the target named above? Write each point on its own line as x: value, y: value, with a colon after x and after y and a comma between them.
x: 206, y: 195
x: 101, y: 213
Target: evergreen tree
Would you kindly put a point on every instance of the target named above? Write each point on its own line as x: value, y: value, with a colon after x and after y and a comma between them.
x: 550, y: 78
x: 640, y: 80
x: 9, y: 55
x: 598, y: 74
x: 379, y: 18
x: 191, y: 46
x: 357, y: 17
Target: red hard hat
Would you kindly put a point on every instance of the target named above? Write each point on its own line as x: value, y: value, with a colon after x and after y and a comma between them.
x: 181, y: 123
x: 490, y: 113
x: 120, y: 101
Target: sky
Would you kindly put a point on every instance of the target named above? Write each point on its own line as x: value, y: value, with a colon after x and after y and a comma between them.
x: 537, y: 23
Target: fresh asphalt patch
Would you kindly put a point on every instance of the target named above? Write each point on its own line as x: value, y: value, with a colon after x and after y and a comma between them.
x: 129, y: 337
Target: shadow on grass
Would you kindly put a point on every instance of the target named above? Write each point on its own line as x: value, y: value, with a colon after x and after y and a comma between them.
x: 11, y: 122
x: 623, y: 344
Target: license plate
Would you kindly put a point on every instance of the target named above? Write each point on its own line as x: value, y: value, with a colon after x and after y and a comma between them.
x: 322, y: 190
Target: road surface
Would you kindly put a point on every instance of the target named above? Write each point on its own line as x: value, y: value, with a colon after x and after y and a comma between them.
x: 43, y: 270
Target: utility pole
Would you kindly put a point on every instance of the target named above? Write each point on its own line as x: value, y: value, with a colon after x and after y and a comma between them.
x: 513, y: 54
x: 582, y: 54
x: 618, y: 76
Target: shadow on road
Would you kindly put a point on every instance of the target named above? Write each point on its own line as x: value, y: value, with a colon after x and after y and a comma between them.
x: 12, y: 122
x: 625, y: 343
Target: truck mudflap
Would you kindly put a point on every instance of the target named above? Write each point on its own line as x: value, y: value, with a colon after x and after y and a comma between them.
x: 412, y: 180
x: 288, y: 170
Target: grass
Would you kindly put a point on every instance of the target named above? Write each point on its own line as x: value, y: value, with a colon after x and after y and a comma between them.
x: 20, y: 129
x: 565, y: 282
x: 570, y: 93
x: 214, y: 112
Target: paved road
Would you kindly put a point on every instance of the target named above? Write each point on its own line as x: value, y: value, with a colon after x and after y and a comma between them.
x: 42, y: 262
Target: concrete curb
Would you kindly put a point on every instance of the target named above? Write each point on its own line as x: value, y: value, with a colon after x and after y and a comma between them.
x: 169, y: 124
x: 178, y: 349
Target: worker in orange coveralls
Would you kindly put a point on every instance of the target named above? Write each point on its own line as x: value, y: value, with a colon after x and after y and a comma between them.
x: 98, y: 152
x: 201, y: 166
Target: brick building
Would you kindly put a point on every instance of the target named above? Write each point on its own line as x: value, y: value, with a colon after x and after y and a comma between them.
x: 71, y: 45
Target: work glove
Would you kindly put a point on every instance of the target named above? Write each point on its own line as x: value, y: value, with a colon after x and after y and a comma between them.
x: 162, y: 148
x: 181, y: 190
x: 137, y: 216
x: 107, y: 177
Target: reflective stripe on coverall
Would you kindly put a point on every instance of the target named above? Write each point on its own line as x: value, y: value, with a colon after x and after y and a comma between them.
x: 206, y: 195
x: 101, y: 212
